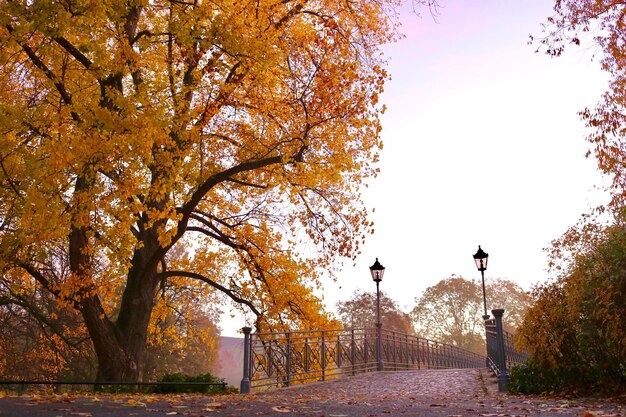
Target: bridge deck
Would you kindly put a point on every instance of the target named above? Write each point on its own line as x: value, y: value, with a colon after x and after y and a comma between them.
x: 425, y: 393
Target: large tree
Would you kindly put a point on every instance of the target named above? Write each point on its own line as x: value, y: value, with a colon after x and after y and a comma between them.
x: 240, y: 130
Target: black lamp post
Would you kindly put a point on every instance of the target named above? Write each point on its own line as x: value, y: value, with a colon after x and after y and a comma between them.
x: 481, y: 258
x: 377, y: 271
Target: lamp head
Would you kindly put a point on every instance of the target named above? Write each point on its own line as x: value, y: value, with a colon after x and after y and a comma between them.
x: 377, y: 271
x: 480, y: 257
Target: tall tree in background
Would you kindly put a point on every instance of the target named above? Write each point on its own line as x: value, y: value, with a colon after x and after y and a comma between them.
x: 451, y: 311
x: 360, y: 313
x: 237, y: 131
x: 502, y: 293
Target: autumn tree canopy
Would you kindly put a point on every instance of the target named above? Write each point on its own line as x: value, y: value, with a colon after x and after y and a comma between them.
x: 147, y: 144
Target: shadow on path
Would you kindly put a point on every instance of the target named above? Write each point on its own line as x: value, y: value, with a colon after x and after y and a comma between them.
x: 425, y: 393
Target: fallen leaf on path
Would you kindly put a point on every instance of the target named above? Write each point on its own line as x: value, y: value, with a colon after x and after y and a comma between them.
x: 134, y: 403
x: 599, y: 414
x: 281, y: 409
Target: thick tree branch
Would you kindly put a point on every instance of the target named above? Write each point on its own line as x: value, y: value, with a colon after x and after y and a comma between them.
x: 227, y: 291
x: 38, y: 63
x: 72, y: 50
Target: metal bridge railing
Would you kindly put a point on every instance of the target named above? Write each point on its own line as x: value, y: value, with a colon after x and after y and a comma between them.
x: 283, y: 359
x: 501, y: 351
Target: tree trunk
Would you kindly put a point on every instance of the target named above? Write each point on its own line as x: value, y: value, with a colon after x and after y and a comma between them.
x: 120, y: 346
x: 115, y: 361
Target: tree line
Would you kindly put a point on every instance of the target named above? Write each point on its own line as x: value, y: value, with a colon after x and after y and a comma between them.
x: 449, y: 311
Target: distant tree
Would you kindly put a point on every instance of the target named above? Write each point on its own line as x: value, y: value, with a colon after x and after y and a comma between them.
x: 451, y: 311
x: 360, y: 312
x: 502, y: 293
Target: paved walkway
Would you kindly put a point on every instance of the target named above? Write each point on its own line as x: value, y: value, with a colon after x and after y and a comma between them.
x: 426, y: 393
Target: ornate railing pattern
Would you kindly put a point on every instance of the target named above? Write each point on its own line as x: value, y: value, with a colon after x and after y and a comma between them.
x: 282, y: 359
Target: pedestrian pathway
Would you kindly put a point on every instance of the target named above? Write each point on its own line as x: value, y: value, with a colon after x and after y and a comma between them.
x: 424, y: 393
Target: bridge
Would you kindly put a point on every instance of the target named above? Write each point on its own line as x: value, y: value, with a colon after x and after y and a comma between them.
x: 273, y: 360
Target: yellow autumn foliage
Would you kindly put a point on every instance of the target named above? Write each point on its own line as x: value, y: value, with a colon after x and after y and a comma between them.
x: 234, y: 133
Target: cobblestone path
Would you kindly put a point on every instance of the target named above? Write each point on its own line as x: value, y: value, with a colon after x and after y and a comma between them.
x: 426, y: 393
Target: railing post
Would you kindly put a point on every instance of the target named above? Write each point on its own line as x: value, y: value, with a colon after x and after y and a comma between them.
x: 338, y: 353
x: 379, y: 347
x: 365, y: 350
x: 353, y: 352
x: 288, y: 359
x: 306, y: 355
x: 418, y: 352
x: 323, y: 355
x: 247, y: 348
x: 503, y: 377
x: 406, y: 350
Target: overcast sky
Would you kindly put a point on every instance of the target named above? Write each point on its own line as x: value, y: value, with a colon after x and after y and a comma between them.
x: 482, y: 145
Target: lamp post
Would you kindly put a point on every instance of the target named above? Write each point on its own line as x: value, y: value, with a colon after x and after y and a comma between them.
x: 480, y: 257
x: 377, y: 271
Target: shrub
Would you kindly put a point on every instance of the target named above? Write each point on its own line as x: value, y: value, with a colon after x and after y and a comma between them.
x: 576, y: 329
x: 218, y: 388
x: 529, y: 378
